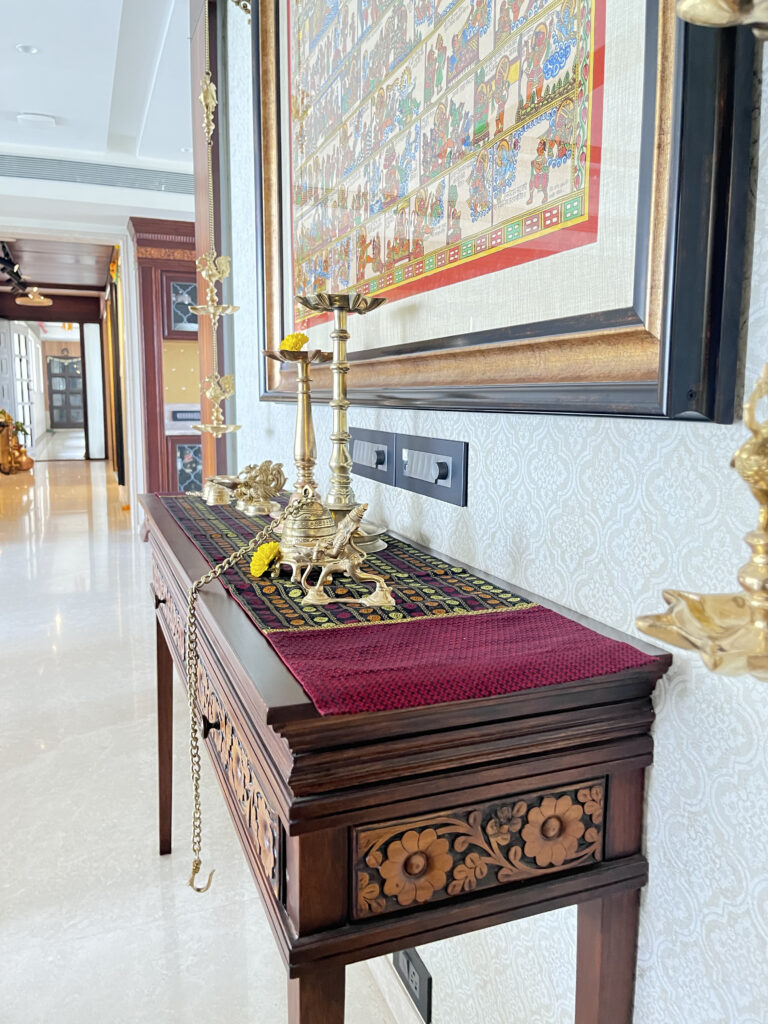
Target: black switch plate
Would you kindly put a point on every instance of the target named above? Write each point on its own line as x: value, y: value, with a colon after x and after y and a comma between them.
x: 445, y: 457
x: 383, y: 445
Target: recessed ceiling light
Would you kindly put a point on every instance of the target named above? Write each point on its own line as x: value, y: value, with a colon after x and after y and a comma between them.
x: 38, y: 120
x: 26, y: 48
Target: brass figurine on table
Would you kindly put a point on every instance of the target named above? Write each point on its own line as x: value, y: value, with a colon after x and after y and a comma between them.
x: 218, y: 490
x: 257, y: 487
x: 340, y: 497
x: 304, y: 528
x: 726, y: 13
x: 340, y: 555
x: 730, y: 630
x: 311, y: 540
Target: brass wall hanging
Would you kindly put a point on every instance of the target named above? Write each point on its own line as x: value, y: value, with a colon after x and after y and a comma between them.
x: 213, y: 268
x: 730, y: 631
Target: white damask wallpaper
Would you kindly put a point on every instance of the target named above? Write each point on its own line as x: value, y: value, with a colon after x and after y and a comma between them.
x: 601, y: 515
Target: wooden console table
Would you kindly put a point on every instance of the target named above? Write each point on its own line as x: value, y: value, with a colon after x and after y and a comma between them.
x: 369, y: 833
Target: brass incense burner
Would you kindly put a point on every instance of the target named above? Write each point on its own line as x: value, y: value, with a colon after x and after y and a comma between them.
x: 311, y: 540
x: 730, y: 631
x: 303, y: 529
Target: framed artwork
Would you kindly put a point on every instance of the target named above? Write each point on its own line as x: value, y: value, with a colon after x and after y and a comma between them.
x: 552, y: 195
x: 185, y: 463
x: 179, y: 295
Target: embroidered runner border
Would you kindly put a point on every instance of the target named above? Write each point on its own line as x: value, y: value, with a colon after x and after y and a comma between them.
x: 451, y: 636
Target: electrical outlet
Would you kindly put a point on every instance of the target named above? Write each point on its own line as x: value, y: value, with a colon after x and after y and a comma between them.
x: 417, y: 980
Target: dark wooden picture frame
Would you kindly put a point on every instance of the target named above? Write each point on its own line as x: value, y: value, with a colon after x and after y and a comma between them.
x: 171, y: 333
x: 672, y: 354
x: 173, y: 443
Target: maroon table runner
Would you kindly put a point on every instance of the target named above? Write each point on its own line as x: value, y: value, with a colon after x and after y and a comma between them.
x: 451, y: 636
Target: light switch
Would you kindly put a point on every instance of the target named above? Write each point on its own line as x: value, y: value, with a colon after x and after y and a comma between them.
x: 432, y: 466
x: 370, y: 454
x: 434, y: 469
x: 373, y: 454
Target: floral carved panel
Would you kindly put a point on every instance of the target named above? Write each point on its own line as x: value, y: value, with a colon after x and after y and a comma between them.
x: 170, y: 610
x: 261, y: 822
x: 423, y: 860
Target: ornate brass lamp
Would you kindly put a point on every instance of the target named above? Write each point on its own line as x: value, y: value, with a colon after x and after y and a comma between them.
x: 304, y: 444
x: 726, y: 13
x: 730, y: 631
x: 257, y: 487
x: 340, y: 497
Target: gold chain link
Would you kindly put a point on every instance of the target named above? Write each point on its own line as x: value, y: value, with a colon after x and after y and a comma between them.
x: 191, y: 659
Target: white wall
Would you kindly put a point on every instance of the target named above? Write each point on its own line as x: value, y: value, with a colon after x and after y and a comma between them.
x: 599, y: 514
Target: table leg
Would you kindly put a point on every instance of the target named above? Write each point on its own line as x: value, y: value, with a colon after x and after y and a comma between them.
x: 164, y: 737
x: 317, y: 996
x: 606, y: 956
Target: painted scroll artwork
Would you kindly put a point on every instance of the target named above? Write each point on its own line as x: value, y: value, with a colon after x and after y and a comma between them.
x: 436, y: 140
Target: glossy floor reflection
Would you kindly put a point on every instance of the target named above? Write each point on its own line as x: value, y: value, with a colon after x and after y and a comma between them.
x: 60, y: 444
x: 94, y: 925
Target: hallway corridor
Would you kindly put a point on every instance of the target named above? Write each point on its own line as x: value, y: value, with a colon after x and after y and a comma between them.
x: 94, y: 925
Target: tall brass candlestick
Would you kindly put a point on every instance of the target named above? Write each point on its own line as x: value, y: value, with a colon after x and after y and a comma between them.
x: 340, y: 495
x: 304, y: 444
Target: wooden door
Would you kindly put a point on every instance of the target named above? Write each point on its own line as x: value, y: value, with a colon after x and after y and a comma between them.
x: 65, y: 392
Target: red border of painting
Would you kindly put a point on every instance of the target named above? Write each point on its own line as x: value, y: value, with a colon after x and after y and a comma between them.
x: 566, y: 238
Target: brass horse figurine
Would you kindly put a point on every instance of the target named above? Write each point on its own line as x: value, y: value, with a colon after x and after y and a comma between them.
x: 340, y: 555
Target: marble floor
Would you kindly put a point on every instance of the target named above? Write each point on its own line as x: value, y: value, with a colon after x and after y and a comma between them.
x: 94, y: 925
x: 60, y: 444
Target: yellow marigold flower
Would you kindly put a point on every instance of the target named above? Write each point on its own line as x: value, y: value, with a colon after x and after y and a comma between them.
x: 293, y: 342
x: 263, y: 557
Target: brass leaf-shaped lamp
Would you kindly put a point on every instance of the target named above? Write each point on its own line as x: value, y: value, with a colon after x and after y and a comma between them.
x: 726, y: 13
x: 213, y: 269
x: 730, y: 631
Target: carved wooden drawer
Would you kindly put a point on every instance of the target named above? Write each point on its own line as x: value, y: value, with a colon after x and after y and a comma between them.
x: 405, y: 863
x: 169, y: 608
x: 260, y: 824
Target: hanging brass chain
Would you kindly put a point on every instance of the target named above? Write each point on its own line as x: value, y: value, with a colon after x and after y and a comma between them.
x: 191, y: 659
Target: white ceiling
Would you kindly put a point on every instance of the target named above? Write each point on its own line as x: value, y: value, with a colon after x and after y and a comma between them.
x: 113, y: 73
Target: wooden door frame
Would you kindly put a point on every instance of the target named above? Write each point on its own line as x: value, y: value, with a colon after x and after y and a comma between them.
x: 163, y: 248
